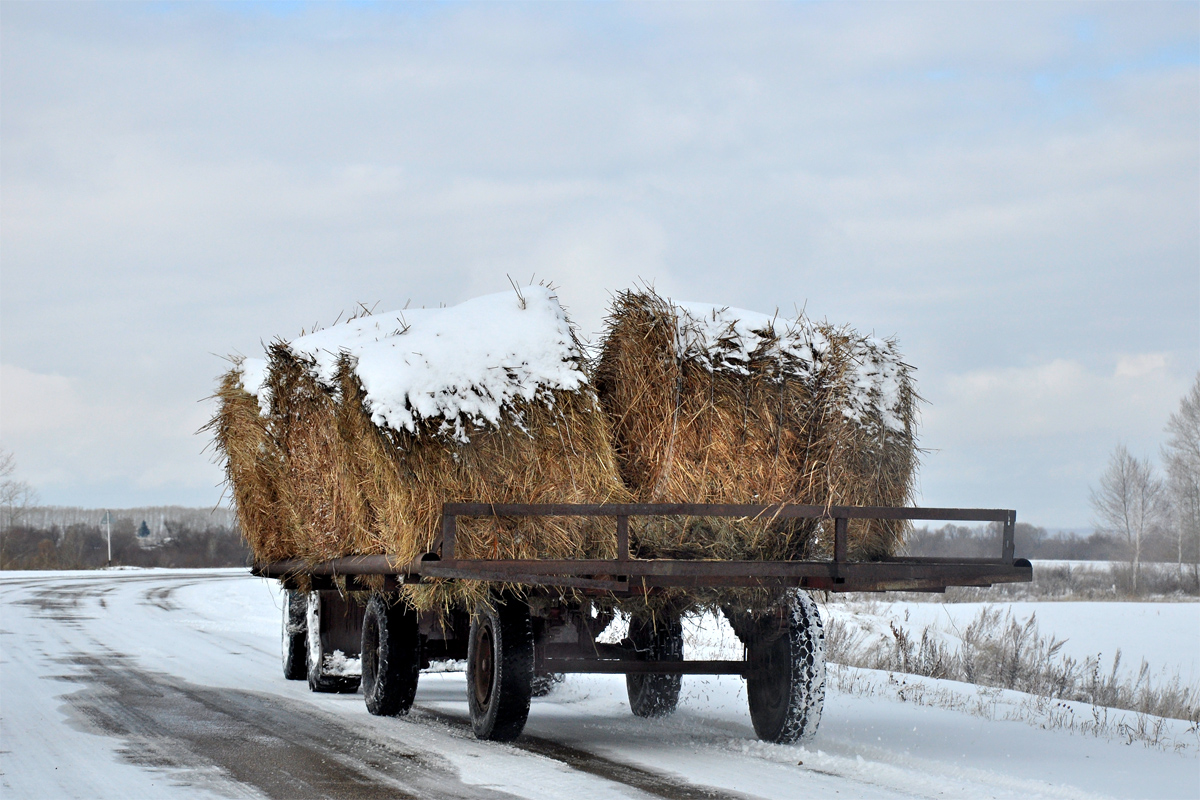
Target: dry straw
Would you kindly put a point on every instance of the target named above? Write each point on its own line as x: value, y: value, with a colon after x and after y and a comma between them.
x: 785, y: 413
x: 552, y: 451
x: 876, y: 459
x: 796, y: 413
x: 317, y: 478
x: 253, y: 469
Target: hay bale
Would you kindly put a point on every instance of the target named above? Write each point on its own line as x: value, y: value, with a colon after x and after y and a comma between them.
x: 877, y: 457
x: 381, y: 420
x: 253, y: 466
x: 330, y: 515
x: 717, y: 405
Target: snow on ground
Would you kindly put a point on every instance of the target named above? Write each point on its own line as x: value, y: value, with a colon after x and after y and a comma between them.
x: 168, y: 683
x: 1166, y: 635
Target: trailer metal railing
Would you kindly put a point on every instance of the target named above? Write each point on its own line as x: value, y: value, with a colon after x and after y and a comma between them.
x: 627, y: 575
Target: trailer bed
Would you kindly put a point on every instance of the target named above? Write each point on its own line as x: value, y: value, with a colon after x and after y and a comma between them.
x: 627, y: 576
x: 517, y: 643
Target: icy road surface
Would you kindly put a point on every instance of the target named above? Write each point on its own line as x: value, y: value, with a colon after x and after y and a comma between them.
x: 128, y: 684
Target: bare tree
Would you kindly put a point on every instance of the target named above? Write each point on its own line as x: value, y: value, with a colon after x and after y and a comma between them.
x: 1181, y: 454
x: 16, y: 497
x: 1130, y: 502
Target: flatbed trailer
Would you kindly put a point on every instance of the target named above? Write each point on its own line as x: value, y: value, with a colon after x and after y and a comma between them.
x: 519, y: 642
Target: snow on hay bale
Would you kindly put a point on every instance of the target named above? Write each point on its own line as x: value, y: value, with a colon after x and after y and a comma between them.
x: 379, y: 421
x: 710, y: 404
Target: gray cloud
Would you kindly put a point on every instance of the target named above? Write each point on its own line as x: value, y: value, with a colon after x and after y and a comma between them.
x: 1009, y: 188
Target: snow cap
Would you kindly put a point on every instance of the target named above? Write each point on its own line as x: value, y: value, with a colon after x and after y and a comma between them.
x: 463, y: 364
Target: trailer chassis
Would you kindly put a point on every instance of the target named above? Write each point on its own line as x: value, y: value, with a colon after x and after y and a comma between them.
x: 553, y: 636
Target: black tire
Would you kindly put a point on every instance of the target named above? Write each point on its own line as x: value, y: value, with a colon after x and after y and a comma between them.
x: 295, y: 636
x: 500, y: 669
x: 544, y: 682
x: 661, y: 639
x: 391, y: 657
x: 318, y: 679
x: 786, y: 680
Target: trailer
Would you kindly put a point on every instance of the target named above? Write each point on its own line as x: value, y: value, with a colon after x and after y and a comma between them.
x: 520, y: 641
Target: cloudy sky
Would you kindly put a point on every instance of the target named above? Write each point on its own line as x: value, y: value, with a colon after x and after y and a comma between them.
x: 1012, y: 190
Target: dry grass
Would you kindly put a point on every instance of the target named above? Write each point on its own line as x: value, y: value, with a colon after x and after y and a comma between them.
x: 321, y: 492
x: 783, y: 429
x: 873, y: 464
x: 253, y: 469
x: 547, y: 452
x: 998, y: 649
x: 317, y: 479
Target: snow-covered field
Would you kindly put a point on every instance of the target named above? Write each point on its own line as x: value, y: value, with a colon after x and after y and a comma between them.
x: 1165, y: 635
x: 167, y: 683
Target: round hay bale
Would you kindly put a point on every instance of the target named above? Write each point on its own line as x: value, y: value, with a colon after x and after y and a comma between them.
x: 545, y: 452
x: 253, y: 468
x: 373, y: 425
x: 317, y: 486
x: 716, y: 405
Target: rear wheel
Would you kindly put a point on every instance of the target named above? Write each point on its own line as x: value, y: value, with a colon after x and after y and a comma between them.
x: 391, y: 657
x: 786, y: 679
x: 295, y: 636
x: 655, y: 694
x: 329, y: 669
x: 500, y: 669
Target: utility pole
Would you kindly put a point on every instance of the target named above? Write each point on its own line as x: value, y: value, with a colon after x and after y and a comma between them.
x: 108, y: 522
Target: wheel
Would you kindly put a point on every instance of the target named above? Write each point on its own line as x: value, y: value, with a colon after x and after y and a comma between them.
x: 295, y: 636
x: 544, y: 682
x: 391, y: 657
x: 500, y: 669
x: 786, y: 679
x: 325, y: 674
x: 655, y: 694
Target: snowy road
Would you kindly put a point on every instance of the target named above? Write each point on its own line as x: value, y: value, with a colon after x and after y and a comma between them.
x: 167, y: 683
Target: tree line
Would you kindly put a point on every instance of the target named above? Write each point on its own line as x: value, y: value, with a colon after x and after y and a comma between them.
x: 65, y: 537
x: 1032, y: 542
x: 1152, y: 512
x: 1140, y: 515
x: 85, y: 546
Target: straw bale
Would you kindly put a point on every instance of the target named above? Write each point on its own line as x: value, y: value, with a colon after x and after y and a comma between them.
x: 877, y: 457
x: 547, y: 452
x: 253, y: 468
x: 318, y: 487
x: 720, y: 406
x: 358, y: 473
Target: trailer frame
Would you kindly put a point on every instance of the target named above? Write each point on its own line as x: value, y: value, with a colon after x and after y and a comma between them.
x: 626, y: 576
x: 541, y: 630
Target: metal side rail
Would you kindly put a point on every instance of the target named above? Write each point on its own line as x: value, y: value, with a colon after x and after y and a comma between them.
x: 625, y: 575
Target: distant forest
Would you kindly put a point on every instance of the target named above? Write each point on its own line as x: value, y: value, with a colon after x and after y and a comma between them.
x: 1033, y: 542
x: 173, y: 536
x: 170, y: 536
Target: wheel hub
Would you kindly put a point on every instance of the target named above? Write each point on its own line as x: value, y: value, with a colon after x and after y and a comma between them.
x: 484, y: 666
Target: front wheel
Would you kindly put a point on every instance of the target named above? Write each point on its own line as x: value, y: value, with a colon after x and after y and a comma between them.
x: 655, y: 694
x: 786, y: 679
x: 391, y: 657
x: 500, y: 669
